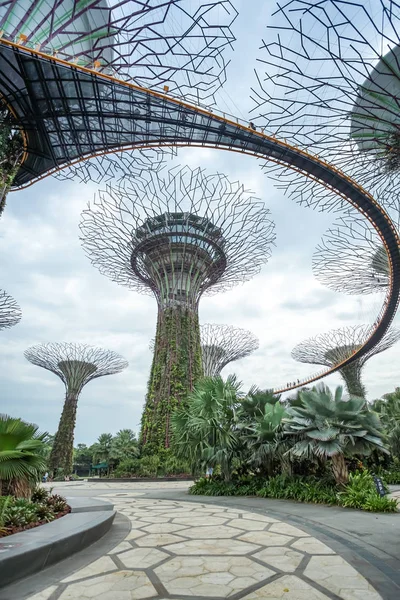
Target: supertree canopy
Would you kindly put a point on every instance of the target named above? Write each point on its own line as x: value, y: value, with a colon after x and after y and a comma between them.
x: 10, y: 312
x: 168, y: 45
x: 75, y: 365
x: 330, y: 82
x: 176, y: 235
x: 223, y: 344
x: 351, y: 257
x: 332, y: 348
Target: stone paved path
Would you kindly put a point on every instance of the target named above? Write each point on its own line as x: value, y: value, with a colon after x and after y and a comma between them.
x: 192, y: 551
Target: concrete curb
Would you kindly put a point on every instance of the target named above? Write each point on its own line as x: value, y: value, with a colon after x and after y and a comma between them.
x: 31, y: 551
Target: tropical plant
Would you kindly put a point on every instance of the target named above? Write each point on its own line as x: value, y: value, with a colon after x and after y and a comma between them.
x: 330, y: 428
x: 388, y: 408
x: 261, y: 420
x: 124, y: 445
x: 206, y: 427
x: 20, y: 460
x: 102, y: 448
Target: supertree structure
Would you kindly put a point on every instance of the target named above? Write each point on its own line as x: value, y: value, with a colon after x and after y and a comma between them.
x: 223, y: 344
x: 10, y: 312
x: 329, y: 81
x: 351, y: 257
x: 167, y: 45
x: 176, y: 235
x: 332, y: 348
x: 75, y: 365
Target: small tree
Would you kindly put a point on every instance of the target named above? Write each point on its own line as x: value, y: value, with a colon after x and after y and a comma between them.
x: 124, y: 445
x: 328, y: 427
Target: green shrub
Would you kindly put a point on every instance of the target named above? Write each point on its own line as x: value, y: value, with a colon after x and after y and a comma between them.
x: 44, y: 512
x: 128, y: 467
x: 359, y: 493
x: 20, y: 513
x: 40, y: 494
x: 57, y: 503
x: 5, y: 503
x: 149, y: 466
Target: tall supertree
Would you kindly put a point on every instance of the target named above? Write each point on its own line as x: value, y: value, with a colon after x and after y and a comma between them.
x: 223, y: 344
x: 329, y: 81
x: 167, y: 45
x: 75, y: 365
x: 332, y: 348
x: 10, y: 312
x: 176, y: 236
x: 351, y: 257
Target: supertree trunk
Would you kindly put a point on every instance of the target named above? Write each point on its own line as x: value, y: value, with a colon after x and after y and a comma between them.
x: 177, y: 365
x: 11, y: 151
x: 352, y: 377
x: 61, y: 456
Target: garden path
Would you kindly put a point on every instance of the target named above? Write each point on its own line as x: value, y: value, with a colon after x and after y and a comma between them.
x: 181, y: 550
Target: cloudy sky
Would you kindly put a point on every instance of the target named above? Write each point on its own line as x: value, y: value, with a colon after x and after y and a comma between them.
x: 63, y: 298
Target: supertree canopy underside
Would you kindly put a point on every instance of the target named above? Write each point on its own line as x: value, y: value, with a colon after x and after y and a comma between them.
x: 178, y: 234
x: 75, y: 365
x: 10, y: 312
x: 351, y: 257
x: 47, y: 98
x: 334, y: 347
x: 330, y: 82
x: 223, y: 344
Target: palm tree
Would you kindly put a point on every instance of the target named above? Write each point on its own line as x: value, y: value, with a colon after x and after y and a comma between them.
x: 328, y: 427
x: 263, y: 432
x: 103, y: 447
x: 21, y: 461
x: 206, y: 428
x: 124, y: 445
x: 388, y: 408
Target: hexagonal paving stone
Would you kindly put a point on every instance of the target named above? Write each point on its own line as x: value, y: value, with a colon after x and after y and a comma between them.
x: 212, y: 546
x: 286, y: 588
x: 99, y: 566
x: 265, y: 538
x: 256, y: 517
x: 164, y: 527
x: 336, y: 575
x: 122, y: 585
x: 199, y: 521
x: 219, y: 532
x: 312, y: 546
x: 282, y: 558
x: 248, y: 525
x: 120, y: 548
x: 210, y: 576
x: 159, y: 539
x: 141, y: 558
x: 286, y: 529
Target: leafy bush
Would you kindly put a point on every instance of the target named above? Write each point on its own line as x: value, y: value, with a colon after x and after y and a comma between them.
x: 40, y: 494
x: 128, y: 468
x: 44, y: 512
x: 56, y: 503
x: 149, y: 466
x: 5, y: 502
x: 359, y: 493
x: 20, y: 513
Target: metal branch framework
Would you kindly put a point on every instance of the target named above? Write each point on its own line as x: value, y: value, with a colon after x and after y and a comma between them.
x: 75, y: 365
x: 351, y: 257
x: 330, y: 82
x: 332, y: 348
x: 162, y: 44
x: 223, y: 344
x: 176, y: 234
x: 10, y: 312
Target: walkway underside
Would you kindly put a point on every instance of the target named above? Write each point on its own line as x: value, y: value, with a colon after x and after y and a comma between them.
x: 68, y: 113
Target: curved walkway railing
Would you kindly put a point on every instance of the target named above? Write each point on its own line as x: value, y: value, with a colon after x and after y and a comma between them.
x: 70, y: 113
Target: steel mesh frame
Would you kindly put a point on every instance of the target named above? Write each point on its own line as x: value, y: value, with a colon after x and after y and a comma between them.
x: 10, y: 312
x: 223, y: 344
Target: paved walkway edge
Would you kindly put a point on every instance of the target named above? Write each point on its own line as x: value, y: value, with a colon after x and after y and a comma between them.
x: 31, y: 551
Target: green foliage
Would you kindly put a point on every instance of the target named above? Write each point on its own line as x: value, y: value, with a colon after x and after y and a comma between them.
x: 20, y: 512
x: 176, y: 366
x: 124, y: 445
x: 11, y: 151
x: 61, y: 456
x: 359, y: 493
x: 328, y: 427
x: 20, y: 459
x: 205, y: 431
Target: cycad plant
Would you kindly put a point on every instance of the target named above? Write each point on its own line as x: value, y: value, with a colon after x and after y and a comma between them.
x: 21, y: 461
x: 330, y: 428
x: 206, y: 427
